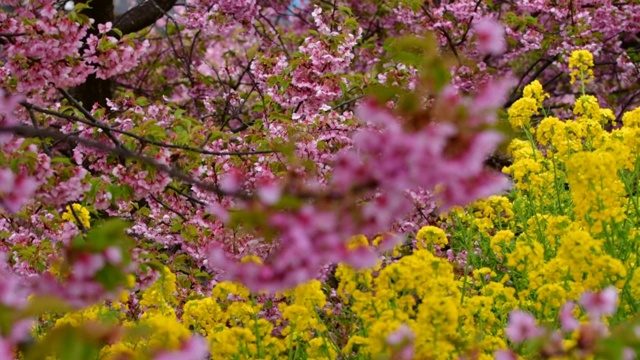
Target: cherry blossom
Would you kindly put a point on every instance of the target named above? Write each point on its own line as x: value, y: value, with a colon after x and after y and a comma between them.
x: 567, y: 321
x: 522, y: 327
x: 195, y: 348
x: 490, y: 36
x: 603, y: 303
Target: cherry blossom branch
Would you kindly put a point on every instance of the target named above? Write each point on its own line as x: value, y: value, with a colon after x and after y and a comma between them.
x: 191, y: 198
x: 155, y: 198
x: 34, y: 121
x: 626, y: 105
x: 88, y: 115
x: 348, y: 102
x: 277, y: 35
x: 98, y: 124
x: 143, y: 15
x: 32, y: 132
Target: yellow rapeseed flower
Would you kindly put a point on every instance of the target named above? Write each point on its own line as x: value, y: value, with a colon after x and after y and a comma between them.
x: 597, y: 192
x: 357, y: 241
x: 224, y: 289
x: 159, y: 298
x: 631, y: 119
x: 526, y: 255
x: 521, y: 111
x: 581, y: 61
x: 428, y: 236
x: 587, y: 105
x: 204, y: 316
x: 550, y: 129
x: 501, y: 243
x: 535, y: 91
x: 81, y: 212
x: 251, y: 259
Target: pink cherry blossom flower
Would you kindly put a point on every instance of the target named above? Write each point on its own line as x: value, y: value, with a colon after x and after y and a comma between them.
x: 87, y: 265
x: 105, y: 28
x: 48, y: 11
x: 8, y: 103
x: 522, y: 327
x: 196, y: 348
x: 269, y: 191
x: 22, y: 189
x: 490, y: 36
x: 21, y: 330
x: 567, y: 321
x: 450, y: 96
x: 401, y: 335
x: 231, y: 181
x: 505, y: 355
x: 219, y: 211
x: 628, y: 354
x: 7, y: 180
x: 8, y: 294
x: 113, y: 255
x: 603, y: 303
x: 6, y: 349
x: 491, y: 96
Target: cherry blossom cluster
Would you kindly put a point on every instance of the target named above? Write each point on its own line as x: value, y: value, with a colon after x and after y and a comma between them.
x: 47, y: 49
x: 389, y: 159
x: 522, y: 327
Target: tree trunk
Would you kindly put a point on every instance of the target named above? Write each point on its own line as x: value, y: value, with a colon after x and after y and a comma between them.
x: 96, y: 90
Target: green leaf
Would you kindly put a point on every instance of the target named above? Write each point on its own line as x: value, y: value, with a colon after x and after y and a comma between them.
x: 202, y: 274
x: 68, y: 343
x: 111, y: 277
x: 117, y: 31
x: 155, y: 265
x: 107, y: 233
x: 39, y: 305
x: 142, y: 101
x: 345, y: 10
x: 62, y: 160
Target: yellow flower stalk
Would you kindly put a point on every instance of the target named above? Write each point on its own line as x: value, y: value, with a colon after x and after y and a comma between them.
x: 581, y: 61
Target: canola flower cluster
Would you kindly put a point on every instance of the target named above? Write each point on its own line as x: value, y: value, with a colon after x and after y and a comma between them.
x: 581, y: 63
x: 569, y: 227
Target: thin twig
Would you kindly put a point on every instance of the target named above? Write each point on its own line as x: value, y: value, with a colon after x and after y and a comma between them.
x: 75, y: 216
x: 168, y: 207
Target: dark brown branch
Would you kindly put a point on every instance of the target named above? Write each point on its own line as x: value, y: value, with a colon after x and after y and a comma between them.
x: 179, y: 192
x: 88, y: 115
x: 34, y: 121
x: 626, y: 105
x: 168, y: 207
x: 173, y: 172
x: 143, y: 15
x: 514, y: 93
x: 95, y: 123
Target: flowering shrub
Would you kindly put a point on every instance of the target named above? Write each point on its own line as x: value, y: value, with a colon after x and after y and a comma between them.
x: 203, y: 181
